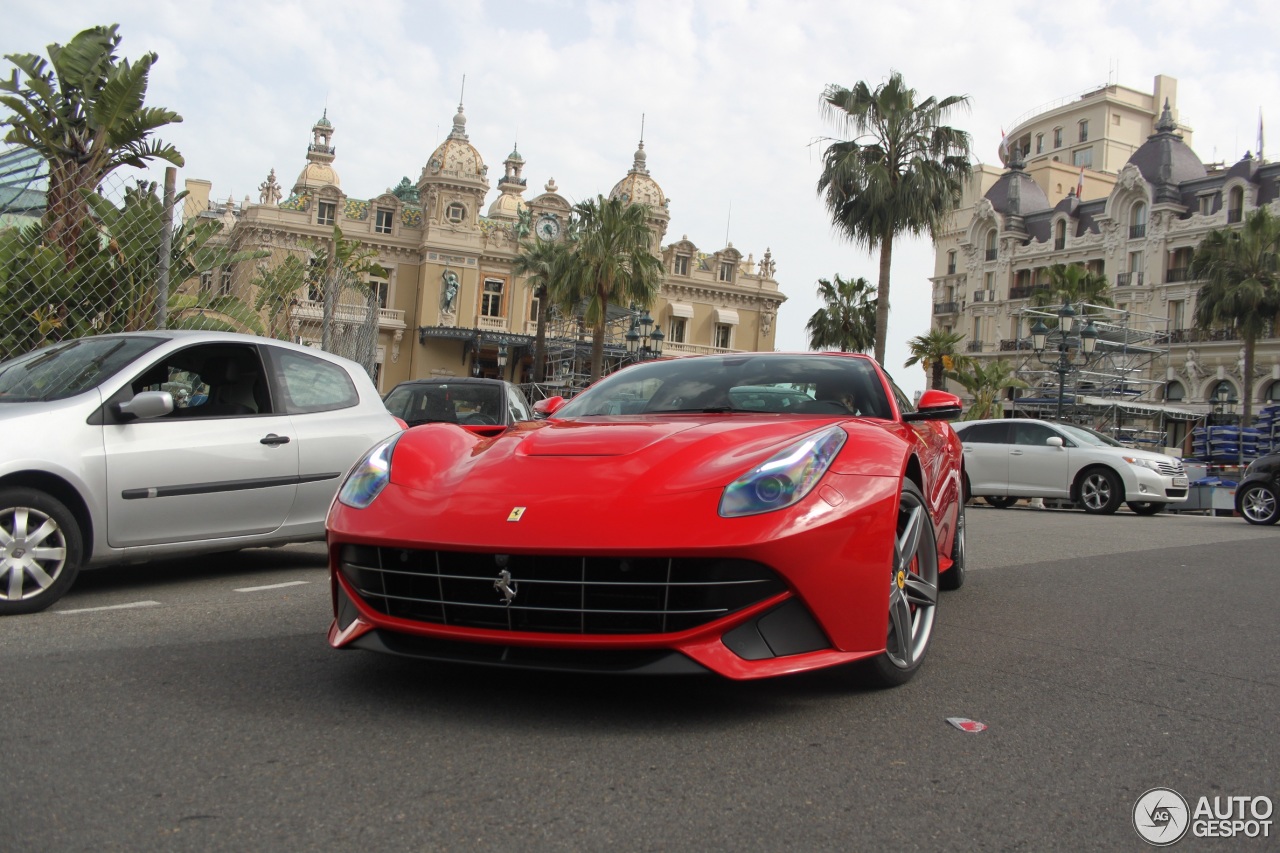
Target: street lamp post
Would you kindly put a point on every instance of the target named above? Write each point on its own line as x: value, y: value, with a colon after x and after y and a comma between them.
x: 1064, y: 361
x: 643, y: 344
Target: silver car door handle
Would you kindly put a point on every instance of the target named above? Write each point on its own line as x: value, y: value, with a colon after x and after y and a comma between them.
x: 1015, y: 452
x: 273, y: 439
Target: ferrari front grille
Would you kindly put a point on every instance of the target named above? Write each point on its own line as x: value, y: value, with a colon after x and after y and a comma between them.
x: 555, y: 594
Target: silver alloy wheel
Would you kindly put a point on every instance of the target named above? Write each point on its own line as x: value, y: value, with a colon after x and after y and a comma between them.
x: 1098, y: 492
x: 33, y: 553
x: 1258, y: 505
x: 913, y: 587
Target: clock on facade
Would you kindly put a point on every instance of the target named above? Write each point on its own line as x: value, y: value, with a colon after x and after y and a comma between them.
x: 548, y: 227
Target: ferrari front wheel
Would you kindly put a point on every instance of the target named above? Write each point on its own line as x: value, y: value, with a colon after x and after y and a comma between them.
x: 913, y: 593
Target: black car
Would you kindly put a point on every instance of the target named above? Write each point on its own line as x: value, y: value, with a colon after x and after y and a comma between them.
x: 484, y: 406
x: 1257, y: 491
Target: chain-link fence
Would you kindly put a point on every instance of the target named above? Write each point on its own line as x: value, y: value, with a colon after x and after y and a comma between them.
x: 134, y: 256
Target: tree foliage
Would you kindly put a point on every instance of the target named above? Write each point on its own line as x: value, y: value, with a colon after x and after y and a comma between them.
x: 985, y: 382
x: 83, y: 111
x: 901, y: 172
x: 847, y: 319
x: 937, y: 351
x: 1240, y: 268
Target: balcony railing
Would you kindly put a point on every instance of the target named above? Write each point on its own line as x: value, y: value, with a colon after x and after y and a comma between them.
x: 345, y: 312
x: 1178, y: 274
x: 1059, y: 243
x: 951, y: 269
x: 1023, y: 291
x: 1128, y: 279
x: 1013, y: 344
x: 973, y: 346
x: 1235, y: 215
x: 946, y: 308
x: 1136, y: 231
x: 991, y: 254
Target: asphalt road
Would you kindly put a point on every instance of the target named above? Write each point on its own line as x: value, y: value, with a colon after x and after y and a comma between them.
x: 1107, y: 656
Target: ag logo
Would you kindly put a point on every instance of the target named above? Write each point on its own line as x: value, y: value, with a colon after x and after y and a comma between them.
x: 516, y: 513
x: 1161, y: 817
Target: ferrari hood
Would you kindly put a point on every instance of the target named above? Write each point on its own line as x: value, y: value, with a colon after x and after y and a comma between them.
x: 597, y: 456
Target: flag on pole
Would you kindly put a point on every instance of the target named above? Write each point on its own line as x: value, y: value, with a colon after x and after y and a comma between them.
x: 1004, y: 148
x: 1080, y: 184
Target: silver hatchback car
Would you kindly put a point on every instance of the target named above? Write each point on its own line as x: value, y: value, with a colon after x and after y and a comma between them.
x: 144, y: 445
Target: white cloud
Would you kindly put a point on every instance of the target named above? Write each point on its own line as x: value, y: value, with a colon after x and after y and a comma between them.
x: 729, y: 91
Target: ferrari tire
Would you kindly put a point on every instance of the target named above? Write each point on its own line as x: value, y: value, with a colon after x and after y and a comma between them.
x: 953, y: 578
x: 1101, y: 491
x: 913, y: 594
x: 40, y: 550
x: 1257, y: 504
x: 1144, y: 507
x: 1000, y: 501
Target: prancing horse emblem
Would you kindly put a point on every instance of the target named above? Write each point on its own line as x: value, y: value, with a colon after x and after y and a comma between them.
x: 504, y: 585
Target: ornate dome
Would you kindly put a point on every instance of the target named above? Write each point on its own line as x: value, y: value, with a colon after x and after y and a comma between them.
x: 316, y: 175
x: 506, y: 206
x: 1016, y: 193
x: 456, y: 156
x: 638, y: 188
x: 1164, y: 159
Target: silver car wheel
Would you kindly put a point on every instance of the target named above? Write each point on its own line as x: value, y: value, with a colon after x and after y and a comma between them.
x: 913, y: 587
x: 1101, y: 492
x: 1258, y: 505
x: 33, y: 553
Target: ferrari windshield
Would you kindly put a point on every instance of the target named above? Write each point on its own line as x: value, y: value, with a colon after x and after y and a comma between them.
x: 750, y: 382
x: 69, y: 368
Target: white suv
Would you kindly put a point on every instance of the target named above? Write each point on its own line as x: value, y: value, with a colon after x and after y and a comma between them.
x: 1014, y: 458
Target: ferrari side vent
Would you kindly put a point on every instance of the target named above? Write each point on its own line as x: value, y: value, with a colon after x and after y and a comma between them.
x: 554, y: 594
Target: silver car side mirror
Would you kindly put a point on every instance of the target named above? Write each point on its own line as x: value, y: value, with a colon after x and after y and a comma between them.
x: 146, y: 404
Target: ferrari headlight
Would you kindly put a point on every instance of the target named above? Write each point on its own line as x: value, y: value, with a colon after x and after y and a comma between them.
x: 368, y: 477
x: 1142, y: 463
x: 784, y: 478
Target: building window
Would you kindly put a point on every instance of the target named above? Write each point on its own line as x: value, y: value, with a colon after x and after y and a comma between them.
x: 679, y: 328
x: 1060, y: 235
x: 723, y: 336
x: 535, y: 305
x: 1174, y: 392
x: 951, y: 262
x: 1138, y: 220
x: 206, y: 282
x: 380, y: 287
x: 1235, y: 205
x: 1206, y: 205
x: 491, y: 299
x: 682, y: 265
x: 225, y: 289
x: 1082, y: 158
x: 326, y: 212
x: 1177, y: 314
x: 726, y: 270
x: 991, y: 245
x: 382, y: 225
x: 1039, y: 143
x: 455, y: 212
x: 1057, y: 137
x: 1084, y: 130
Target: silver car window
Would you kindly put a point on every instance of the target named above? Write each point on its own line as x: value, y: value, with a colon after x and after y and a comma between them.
x: 67, y: 369
x: 312, y: 384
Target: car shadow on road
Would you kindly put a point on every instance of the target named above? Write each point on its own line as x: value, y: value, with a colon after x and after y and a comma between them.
x: 202, y: 567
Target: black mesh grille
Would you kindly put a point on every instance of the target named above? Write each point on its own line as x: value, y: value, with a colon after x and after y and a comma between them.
x: 568, y: 595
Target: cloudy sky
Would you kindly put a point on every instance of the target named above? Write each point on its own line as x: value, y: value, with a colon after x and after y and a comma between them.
x: 729, y: 91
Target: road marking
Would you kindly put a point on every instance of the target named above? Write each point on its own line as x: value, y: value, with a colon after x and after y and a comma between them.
x: 272, y: 586
x: 112, y: 607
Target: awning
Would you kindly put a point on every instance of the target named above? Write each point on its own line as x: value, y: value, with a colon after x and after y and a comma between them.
x: 681, y: 309
x: 727, y: 316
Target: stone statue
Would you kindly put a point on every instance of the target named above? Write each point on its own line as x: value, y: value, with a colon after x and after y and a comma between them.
x: 1192, y: 367
x: 449, y: 291
x: 269, y: 191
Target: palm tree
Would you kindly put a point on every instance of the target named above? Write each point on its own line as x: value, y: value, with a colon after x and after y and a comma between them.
x: 1241, y: 271
x: 85, y: 116
x: 338, y: 264
x: 985, y: 382
x: 613, y: 263
x: 848, y: 319
x: 936, y: 352
x: 544, y: 264
x: 278, y: 290
x: 901, y: 173
x: 1072, y: 283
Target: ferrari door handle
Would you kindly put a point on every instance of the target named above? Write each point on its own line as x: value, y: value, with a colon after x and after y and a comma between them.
x: 273, y: 439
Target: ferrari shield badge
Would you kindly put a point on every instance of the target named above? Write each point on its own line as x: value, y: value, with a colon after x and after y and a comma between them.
x: 516, y: 513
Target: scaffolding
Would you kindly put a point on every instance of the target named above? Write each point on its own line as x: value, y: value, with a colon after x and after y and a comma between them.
x: 1118, y: 391
x: 568, y: 348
